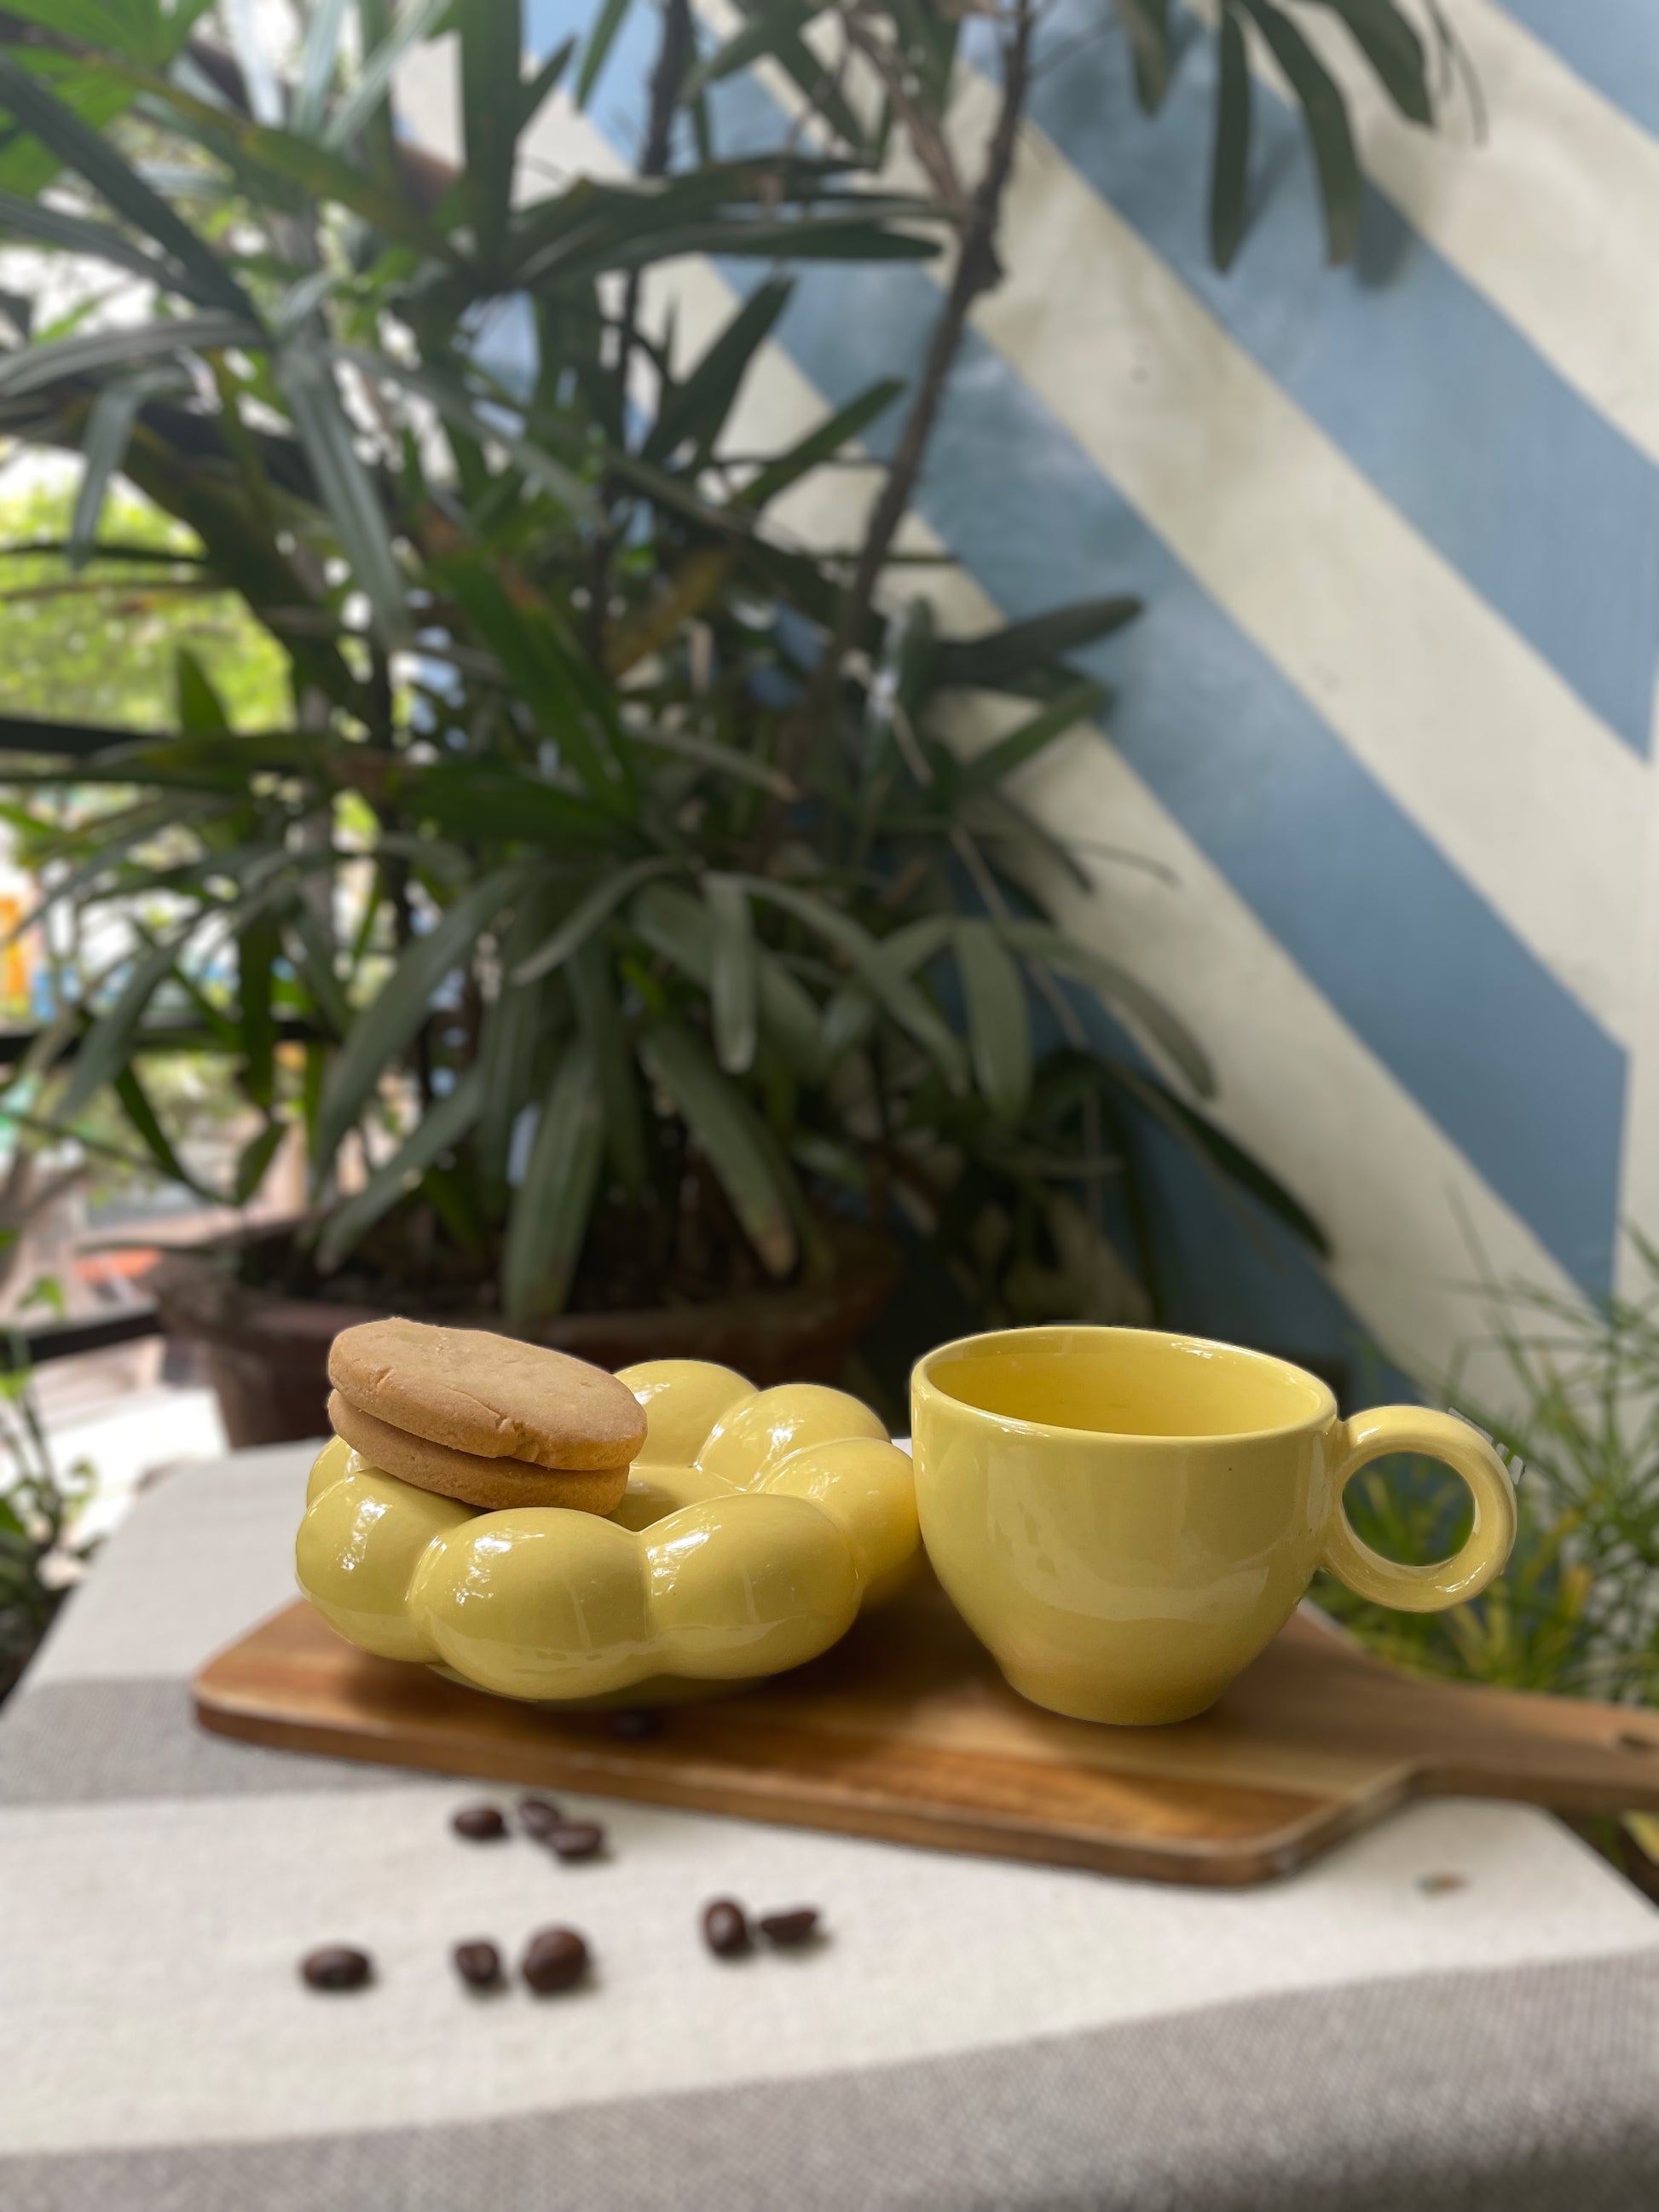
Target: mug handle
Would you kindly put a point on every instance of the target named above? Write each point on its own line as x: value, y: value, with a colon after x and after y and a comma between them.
x: 1466, y: 1451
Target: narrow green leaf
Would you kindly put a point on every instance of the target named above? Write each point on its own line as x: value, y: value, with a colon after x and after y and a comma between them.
x: 542, y: 469
x: 35, y: 368
x: 611, y: 17
x: 96, y: 241
x: 439, y: 1130
x: 1231, y: 157
x: 109, y: 429
x: 201, y: 710
x: 1341, y: 187
x: 318, y: 58
x: 900, y: 999
x: 515, y: 1025
x: 136, y: 1105
x: 253, y: 1161
x: 1390, y: 43
x: 492, y: 44
x: 104, y: 1051
x: 697, y: 408
x: 542, y: 82
x: 92, y: 155
x: 773, y: 33
x: 850, y: 237
x: 839, y: 430
x: 549, y: 675
x: 256, y: 949
x: 678, y: 927
x: 467, y: 800
x: 263, y: 157
x: 370, y: 86
x: 590, y: 913
x: 744, y: 767
x: 994, y: 661
x: 598, y: 1012
x: 1147, y: 22
x: 998, y: 762
x: 1122, y: 993
x: 731, y: 1137
x: 344, y: 484
x: 550, y: 1212
x: 998, y: 1020
x: 313, y: 962
x: 383, y: 1030
x: 734, y: 991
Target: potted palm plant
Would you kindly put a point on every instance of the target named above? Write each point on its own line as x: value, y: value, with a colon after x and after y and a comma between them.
x: 615, y: 920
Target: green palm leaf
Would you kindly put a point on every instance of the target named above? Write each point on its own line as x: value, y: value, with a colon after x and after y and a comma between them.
x: 384, y: 1029
x: 732, y: 1139
x: 550, y: 1212
x: 439, y: 1130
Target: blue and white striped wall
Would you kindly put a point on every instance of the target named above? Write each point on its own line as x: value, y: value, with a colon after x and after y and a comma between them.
x: 1386, y: 724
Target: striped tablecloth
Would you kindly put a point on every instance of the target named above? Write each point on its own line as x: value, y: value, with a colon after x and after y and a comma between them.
x: 973, y: 2034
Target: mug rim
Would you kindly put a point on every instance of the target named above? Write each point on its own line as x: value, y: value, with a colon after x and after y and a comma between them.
x: 921, y: 1379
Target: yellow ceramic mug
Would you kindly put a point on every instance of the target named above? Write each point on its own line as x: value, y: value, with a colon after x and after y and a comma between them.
x: 1125, y: 1518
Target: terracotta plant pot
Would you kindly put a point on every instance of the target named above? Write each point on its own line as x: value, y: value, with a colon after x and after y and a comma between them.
x: 267, y: 1354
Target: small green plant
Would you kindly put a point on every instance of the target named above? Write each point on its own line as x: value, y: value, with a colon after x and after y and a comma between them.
x: 40, y: 1556
x: 1577, y: 1612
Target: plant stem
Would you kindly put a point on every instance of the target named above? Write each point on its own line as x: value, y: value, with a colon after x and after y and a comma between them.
x: 977, y: 270
x: 673, y: 58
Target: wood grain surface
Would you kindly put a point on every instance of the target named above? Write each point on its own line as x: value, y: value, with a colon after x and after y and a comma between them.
x: 906, y: 1732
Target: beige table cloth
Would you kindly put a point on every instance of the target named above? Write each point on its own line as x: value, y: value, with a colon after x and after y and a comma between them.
x: 972, y: 2034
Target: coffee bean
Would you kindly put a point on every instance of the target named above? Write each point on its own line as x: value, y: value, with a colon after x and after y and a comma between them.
x: 725, y: 1930
x: 1441, y: 1885
x: 479, y: 1824
x: 634, y: 1727
x: 576, y: 1839
x: 556, y: 1958
x: 336, y: 1967
x: 539, y: 1816
x: 478, y: 1965
x: 798, y: 1926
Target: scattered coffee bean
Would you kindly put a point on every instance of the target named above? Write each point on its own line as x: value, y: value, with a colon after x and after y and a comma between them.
x: 336, y: 1967
x: 479, y: 1824
x: 539, y: 1816
x: 634, y: 1727
x: 575, y: 1839
x: 725, y: 1930
x: 1441, y: 1885
x: 478, y: 1965
x: 556, y: 1958
x: 785, y: 1928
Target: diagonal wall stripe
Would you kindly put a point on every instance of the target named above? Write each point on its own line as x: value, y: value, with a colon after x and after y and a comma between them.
x: 1479, y: 743
x: 1612, y: 44
x: 1334, y: 870
x: 1474, y: 737
x: 1521, y: 1078
x: 1549, y: 211
x: 1489, y: 453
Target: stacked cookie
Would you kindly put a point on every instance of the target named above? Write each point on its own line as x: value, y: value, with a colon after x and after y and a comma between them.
x: 486, y: 1419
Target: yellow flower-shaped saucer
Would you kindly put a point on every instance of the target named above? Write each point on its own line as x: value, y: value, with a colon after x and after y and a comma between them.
x: 756, y: 1524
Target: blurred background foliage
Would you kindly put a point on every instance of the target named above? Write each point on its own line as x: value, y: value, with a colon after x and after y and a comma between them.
x: 631, y: 891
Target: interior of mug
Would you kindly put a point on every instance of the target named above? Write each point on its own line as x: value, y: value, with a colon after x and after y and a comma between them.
x: 1128, y: 1382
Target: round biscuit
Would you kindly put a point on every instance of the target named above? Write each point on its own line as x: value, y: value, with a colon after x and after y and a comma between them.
x: 493, y: 1484
x: 493, y: 1397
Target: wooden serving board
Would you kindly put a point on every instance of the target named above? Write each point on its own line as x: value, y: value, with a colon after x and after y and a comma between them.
x: 906, y: 1731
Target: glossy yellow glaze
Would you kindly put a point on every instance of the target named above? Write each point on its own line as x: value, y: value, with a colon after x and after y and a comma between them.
x: 755, y: 1524
x: 1125, y: 1518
